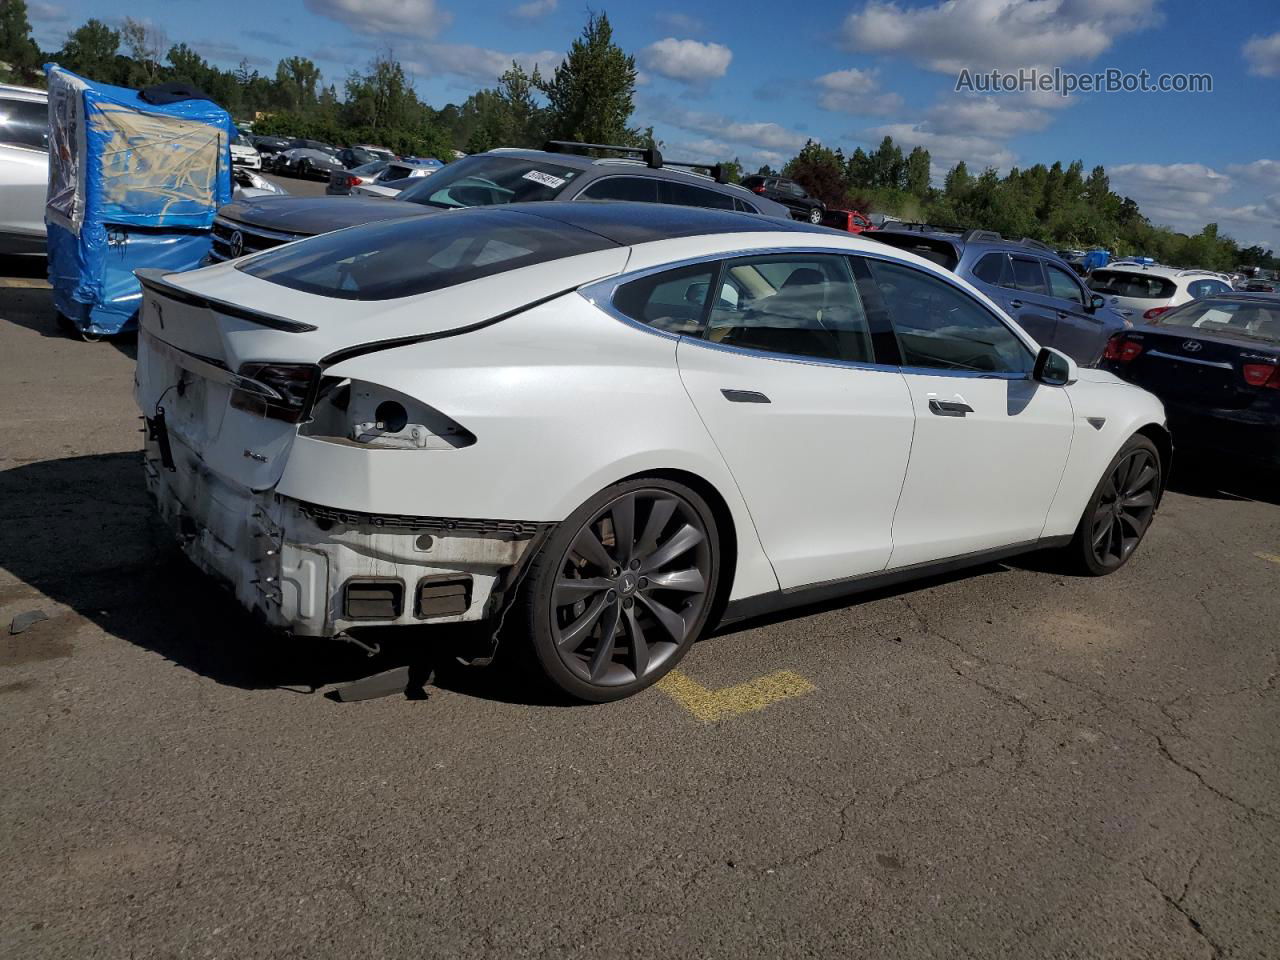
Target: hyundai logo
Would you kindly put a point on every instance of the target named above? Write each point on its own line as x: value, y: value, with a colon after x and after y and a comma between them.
x: 1192, y: 346
x: 237, y: 244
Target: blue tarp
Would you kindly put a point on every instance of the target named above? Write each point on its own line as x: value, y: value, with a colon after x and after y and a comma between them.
x: 131, y: 184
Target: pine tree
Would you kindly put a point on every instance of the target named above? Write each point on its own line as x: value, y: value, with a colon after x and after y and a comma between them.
x: 591, y: 96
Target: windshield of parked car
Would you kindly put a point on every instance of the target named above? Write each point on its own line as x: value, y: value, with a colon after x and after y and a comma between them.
x: 404, y: 257
x: 487, y: 180
x: 1255, y: 319
x: 371, y: 169
x: 243, y: 141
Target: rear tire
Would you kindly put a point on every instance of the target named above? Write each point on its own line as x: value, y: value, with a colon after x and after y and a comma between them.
x: 1120, y: 511
x: 624, y: 587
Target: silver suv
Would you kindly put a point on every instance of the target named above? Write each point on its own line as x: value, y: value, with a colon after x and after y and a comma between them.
x: 24, y: 168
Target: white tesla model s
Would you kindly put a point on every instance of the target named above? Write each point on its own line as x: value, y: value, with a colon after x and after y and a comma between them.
x: 613, y: 425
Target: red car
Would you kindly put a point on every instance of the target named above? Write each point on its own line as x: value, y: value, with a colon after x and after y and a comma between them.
x: 850, y: 220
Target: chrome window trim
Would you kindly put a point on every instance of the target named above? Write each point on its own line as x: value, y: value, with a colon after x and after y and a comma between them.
x: 1220, y: 364
x: 600, y: 294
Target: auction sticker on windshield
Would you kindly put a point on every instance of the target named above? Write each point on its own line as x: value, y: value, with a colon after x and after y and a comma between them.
x: 546, y: 179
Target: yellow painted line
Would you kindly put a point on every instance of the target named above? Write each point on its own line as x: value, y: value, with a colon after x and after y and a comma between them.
x: 710, y: 705
x: 1268, y: 556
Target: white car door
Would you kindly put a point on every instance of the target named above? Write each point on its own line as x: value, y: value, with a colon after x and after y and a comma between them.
x: 990, y: 443
x: 815, y: 432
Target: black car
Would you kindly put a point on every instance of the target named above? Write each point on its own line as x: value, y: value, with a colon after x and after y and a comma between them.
x: 788, y: 193
x: 1215, y: 362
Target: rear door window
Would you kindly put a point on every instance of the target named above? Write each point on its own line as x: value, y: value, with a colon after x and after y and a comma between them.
x: 642, y: 189
x: 687, y: 195
x: 1028, y: 276
x: 795, y: 305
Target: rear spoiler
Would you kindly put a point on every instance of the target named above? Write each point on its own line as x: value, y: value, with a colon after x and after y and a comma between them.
x: 152, y: 279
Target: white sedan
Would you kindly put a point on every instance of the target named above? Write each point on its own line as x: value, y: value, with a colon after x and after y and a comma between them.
x: 611, y: 426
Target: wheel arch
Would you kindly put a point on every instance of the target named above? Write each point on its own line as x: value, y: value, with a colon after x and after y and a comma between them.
x: 725, y: 527
x: 1160, y: 436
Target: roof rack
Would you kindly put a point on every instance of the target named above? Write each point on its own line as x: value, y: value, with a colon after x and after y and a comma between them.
x: 651, y: 155
x: 980, y: 236
x: 1036, y: 245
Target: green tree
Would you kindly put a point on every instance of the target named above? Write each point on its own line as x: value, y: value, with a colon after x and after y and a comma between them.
x: 821, y: 171
x: 591, y: 95
x: 145, y: 43
x: 90, y: 50
x: 860, y: 172
x: 19, y: 55
x: 916, y: 175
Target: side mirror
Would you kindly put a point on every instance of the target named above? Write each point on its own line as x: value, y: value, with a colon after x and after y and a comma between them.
x: 1097, y: 302
x: 1054, y: 369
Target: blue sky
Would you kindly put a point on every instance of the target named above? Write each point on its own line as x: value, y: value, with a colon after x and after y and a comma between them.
x: 727, y: 78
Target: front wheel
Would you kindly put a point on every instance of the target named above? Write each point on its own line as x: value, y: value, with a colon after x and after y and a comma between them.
x: 815, y: 215
x: 623, y: 588
x: 1120, y: 511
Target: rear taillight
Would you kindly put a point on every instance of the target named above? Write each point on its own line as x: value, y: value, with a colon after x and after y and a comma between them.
x: 1154, y: 312
x: 759, y: 189
x: 281, y: 391
x: 353, y: 181
x: 1262, y: 375
x: 1121, y: 349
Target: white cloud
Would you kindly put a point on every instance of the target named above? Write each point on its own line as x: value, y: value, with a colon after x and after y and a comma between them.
x: 762, y: 136
x: 478, y: 64
x: 1169, y: 186
x: 393, y: 18
x: 1263, y: 172
x: 535, y: 9
x: 945, y: 149
x: 855, y: 91
x: 954, y: 34
x: 688, y: 61
x: 681, y: 23
x: 1263, y: 54
x: 989, y: 117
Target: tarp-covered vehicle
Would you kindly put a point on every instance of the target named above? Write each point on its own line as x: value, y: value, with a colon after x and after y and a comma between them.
x: 132, y: 184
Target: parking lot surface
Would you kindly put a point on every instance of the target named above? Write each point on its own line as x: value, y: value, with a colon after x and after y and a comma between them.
x: 1012, y: 762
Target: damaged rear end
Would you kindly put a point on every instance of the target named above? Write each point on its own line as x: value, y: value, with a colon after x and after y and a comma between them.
x: 239, y: 369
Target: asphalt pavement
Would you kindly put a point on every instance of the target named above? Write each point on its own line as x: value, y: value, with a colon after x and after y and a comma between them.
x: 1012, y: 762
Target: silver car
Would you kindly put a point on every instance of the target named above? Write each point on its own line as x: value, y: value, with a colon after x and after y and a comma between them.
x: 24, y: 168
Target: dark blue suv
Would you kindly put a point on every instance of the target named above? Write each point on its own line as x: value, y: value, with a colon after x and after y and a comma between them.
x: 1026, y: 277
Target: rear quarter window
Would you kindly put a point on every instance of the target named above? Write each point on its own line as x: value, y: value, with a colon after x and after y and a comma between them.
x: 403, y: 258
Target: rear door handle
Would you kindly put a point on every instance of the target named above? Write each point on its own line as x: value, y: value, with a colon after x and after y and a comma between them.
x: 744, y: 396
x: 1063, y: 315
x: 1015, y: 303
x: 949, y: 408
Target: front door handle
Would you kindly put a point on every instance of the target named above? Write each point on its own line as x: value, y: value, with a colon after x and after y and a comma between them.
x: 744, y: 396
x: 1063, y: 315
x: 1016, y: 304
x: 949, y: 408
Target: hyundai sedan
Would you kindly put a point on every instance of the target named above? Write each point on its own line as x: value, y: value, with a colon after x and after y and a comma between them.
x: 610, y: 426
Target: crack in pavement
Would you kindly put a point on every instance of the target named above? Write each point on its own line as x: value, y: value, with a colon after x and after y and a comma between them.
x: 1176, y: 904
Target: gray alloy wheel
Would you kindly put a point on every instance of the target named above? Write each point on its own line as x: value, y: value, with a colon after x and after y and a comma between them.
x: 1121, y: 509
x: 815, y: 215
x: 624, y: 588
x: 1126, y: 506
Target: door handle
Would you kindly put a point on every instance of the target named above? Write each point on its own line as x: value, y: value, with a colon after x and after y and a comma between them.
x: 949, y: 408
x: 1062, y: 314
x: 744, y: 396
x: 1015, y: 303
